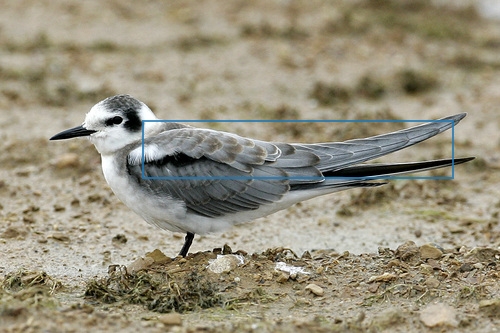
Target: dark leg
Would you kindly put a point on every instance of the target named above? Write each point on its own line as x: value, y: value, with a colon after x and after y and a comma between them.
x: 188, y: 240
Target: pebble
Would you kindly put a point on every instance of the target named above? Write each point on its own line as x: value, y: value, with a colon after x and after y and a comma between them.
x: 69, y: 160
x: 140, y: 264
x: 430, y: 251
x: 491, y: 307
x: 59, y: 236
x: 382, y: 278
x: 408, y: 253
x: 483, y: 254
x: 59, y: 208
x: 374, y: 287
x: 439, y: 315
x: 434, y: 264
x: 478, y: 265
x: 281, y: 266
x: 283, y: 277
x: 225, y: 263
x: 466, y: 267
x: 11, y: 232
x: 315, y: 289
x: 171, y: 319
x: 426, y: 269
x: 388, y: 319
x: 432, y: 282
x: 119, y: 239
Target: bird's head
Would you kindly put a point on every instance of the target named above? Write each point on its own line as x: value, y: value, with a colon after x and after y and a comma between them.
x: 112, y: 123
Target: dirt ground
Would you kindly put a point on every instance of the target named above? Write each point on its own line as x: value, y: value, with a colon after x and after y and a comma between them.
x: 414, y: 255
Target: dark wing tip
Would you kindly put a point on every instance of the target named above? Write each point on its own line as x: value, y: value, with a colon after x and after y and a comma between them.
x: 463, y: 159
x: 456, y: 117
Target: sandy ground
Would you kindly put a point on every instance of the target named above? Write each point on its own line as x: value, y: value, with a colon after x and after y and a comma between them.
x: 253, y: 60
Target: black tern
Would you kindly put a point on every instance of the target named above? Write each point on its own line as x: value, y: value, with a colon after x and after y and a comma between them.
x: 199, y: 181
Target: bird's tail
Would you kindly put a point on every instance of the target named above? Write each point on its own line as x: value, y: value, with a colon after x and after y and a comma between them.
x: 364, y: 175
x: 381, y: 170
x: 340, y: 155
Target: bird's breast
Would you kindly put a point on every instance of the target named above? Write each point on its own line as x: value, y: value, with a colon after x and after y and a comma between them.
x: 160, y: 211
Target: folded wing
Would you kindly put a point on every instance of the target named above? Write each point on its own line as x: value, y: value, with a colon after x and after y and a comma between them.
x: 216, y: 173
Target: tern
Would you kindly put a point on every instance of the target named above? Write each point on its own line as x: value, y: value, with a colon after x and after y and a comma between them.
x: 198, y: 181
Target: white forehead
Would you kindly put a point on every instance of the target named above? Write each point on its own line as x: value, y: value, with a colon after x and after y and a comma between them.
x: 98, y: 114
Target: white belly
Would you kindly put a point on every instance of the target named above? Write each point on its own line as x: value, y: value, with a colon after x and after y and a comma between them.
x: 171, y: 214
x: 164, y: 214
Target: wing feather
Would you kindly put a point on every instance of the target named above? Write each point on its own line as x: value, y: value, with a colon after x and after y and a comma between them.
x: 337, y: 155
x: 225, y: 173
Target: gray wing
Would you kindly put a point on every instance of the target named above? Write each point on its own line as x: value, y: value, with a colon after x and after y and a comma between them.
x: 216, y: 173
x: 223, y: 173
x: 338, y: 155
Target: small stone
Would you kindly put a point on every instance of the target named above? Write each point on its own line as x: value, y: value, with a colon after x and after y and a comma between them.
x: 439, y: 315
x: 430, y: 251
x: 483, y: 254
x: 12, y: 232
x: 158, y: 257
x: 315, y: 289
x: 478, y: 265
x: 382, y: 278
x: 42, y: 240
x: 283, y: 277
x: 140, y: 264
x: 456, y: 229
x: 225, y: 263
x: 408, y: 253
x: 59, y: 236
x: 226, y: 249
x: 434, y: 264
x: 119, y: 238
x: 374, y: 287
x: 388, y: 319
x: 432, y: 283
x: 426, y: 269
x: 94, y: 197
x: 24, y: 172
x: 306, y: 255
x: 59, y: 208
x: 171, y: 319
x: 28, y: 219
x: 292, y: 270
x: 85, y: 180
x: 491, y: 307
x: 69, y: 160
x: 466, y: 267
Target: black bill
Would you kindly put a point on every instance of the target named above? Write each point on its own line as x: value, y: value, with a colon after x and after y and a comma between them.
x: 72, y: 133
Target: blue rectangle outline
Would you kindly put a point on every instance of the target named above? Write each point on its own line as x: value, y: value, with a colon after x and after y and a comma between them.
x: 143, y: 176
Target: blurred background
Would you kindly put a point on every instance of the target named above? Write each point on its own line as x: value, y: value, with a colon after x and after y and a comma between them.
x: 213, y: 59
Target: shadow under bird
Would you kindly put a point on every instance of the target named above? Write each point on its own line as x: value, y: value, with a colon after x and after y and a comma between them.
x: 199, y: 181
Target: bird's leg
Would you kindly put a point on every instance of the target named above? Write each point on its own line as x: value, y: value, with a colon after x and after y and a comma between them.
x: 188, y: 240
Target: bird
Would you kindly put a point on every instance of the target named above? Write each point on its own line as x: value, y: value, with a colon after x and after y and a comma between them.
x: 198, y: 181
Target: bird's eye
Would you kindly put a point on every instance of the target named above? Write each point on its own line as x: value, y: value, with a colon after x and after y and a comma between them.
x: 114, y: 121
